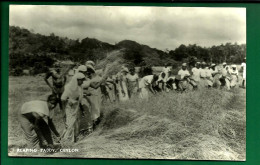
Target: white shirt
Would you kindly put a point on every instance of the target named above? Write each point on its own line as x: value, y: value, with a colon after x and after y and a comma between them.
x: 40, y: 107
x: 166, y: 70
x: 145, y: 81
x: 183, y: 73
x: 161, y: 78
x: 244, y: 69
x: 132, y: 77
x: 208, y: 72
x: 196, y: 74
x: 233, y: 72
x: 203, y: 73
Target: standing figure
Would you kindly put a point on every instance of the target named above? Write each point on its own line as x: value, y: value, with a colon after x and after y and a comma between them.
x: 132, y: 83
x: 146, y: 86
x: 35, y: 118
x: 215, y: 72
x: 243, y: 66
x: 234, y: 76
x: 183, y: 79
x: 225, y: 77
x: 71, y: 99
x: 196, y: 73
x: 58, y: 81
x: 205, y: 76
x: 122, y: 88
x: 111, y: 88
x: 94, y: 97
x: 86, y: 121
x: 166, y: 70
x: 209, y: 76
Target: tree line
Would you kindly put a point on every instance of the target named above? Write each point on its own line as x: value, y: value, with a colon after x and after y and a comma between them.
x: 29, y: 50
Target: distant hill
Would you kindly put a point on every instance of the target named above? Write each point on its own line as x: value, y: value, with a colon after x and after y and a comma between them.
x: 28, y: 50
x: 136, y: 53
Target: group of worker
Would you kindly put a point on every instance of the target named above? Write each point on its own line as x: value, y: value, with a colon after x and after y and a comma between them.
x: 80, y: 91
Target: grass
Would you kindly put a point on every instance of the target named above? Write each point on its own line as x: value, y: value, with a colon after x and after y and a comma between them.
x: 208, y: 124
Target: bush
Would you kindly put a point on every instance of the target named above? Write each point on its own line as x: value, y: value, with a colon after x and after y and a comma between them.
x: 18, y: 71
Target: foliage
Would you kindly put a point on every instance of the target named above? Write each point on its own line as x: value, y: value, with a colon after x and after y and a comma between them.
x: 230, y: 53
x: 25, y: 47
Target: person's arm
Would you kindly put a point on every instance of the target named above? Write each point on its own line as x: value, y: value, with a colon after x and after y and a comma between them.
x: 121, y: 85
x: 64, y: 102
x: 151, y: 88
x: 163, y: 85
x: 42, y: 128
x: 95, y: 85
x: 67, y: 70
x: 137, y: 83
x: 52, y: 127
x: 47, y: 76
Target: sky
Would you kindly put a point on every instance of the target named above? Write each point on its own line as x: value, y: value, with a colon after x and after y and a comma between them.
x: 158, y: 27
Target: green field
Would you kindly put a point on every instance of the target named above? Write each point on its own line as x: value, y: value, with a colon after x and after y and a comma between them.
x: 208, y: 124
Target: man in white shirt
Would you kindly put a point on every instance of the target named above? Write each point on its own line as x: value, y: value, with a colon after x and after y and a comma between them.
x: 196, y: 73
x: 161, y: 82
x: 35, y: 118
x: 184, y: 71
x: 166, y: 70
x: 243, y: 66
x: 234, y: 76
x: 183, y: 78
x: 225, y: 77
x: 146, y: 85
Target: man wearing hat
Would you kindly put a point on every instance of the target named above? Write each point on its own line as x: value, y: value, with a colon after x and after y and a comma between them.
x: 92, y: 63
x: 82, y: 69
x: 225, y: 77
x: 215, y: 75
x: 71, y: 99
x: 94, y: 94
x: 122, y: 88
x: 203, y: 74
x: 243, y: 67
x: 35, y: 118
x: 183, y: 78
x: 58, y: 81
x: 196, y: 72
x: 90, y: 102
x: 234, y: 76
x: 166, y: 70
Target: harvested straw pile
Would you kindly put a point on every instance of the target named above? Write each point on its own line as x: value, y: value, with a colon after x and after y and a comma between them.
x: 196, y: 125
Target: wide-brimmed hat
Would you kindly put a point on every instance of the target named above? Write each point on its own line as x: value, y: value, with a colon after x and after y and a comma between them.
x: 212, y: 65
x: 203, y: 63
x: 224, y: 63
x: 82, y: 68
x: 90, y: 63
x: 184, y: 64
x: 125, y: 70
x: 90, y: 68
x: 233, y: 66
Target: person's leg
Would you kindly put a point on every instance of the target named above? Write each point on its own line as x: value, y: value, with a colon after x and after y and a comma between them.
x: 88, y: 123
x: 30, y: 135
x: 227, y: 82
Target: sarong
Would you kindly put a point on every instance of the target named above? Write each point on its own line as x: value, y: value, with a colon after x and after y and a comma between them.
x: 72, y: 122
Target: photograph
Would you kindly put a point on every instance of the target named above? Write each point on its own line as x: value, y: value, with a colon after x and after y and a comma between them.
x: 127, y: 82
